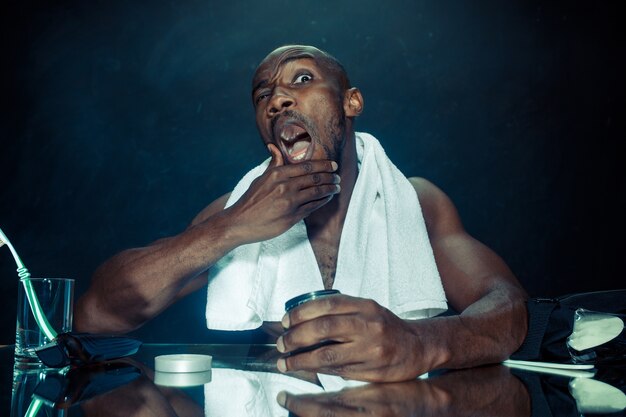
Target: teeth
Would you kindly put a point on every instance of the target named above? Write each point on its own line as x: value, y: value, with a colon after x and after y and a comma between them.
x: 298, y: 150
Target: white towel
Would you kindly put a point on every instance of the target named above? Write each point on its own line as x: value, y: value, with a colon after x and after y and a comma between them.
x: 384, y: 254
x: 233, y: 392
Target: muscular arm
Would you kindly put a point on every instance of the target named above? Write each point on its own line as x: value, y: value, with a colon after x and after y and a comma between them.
x: 376, y: 345
x: 137, y: 284
x: 492, y: 320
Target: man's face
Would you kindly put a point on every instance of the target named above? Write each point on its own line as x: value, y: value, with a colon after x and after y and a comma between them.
x: 299, y: 108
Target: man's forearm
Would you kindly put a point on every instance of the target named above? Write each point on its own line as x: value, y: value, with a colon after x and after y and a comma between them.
x: 137, y: 284
x: 488, y: 331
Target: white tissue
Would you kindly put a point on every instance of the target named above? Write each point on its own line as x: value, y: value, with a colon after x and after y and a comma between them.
x: 594, y: 329
x: 596, y: 397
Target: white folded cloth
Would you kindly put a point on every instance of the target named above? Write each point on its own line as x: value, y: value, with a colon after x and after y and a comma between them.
x: 234, y: 392
x: 384, y: 254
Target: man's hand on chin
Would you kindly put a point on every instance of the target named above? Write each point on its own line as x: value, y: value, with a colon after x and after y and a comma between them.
x: 282, y: 196
x: 369, y: 342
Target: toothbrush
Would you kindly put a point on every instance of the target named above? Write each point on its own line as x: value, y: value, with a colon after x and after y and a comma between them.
x: 35, y: 307
x: 33, y: 408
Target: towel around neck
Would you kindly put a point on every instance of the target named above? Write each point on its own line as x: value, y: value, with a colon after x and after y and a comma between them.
x: 384, y: 254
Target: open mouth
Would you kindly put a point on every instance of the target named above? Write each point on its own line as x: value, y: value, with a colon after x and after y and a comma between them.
x: 296, y: 142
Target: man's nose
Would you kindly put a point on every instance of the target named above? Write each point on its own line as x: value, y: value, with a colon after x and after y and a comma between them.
x: 279, y: 102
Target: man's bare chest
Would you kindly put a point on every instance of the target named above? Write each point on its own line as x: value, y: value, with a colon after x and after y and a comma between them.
x: 326, y: 251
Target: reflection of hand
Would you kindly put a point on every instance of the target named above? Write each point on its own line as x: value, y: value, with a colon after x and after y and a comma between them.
x: 142, y: 398
x: 482, y: 391
x: 391, y: 399
x: 373, y: 343
x: 139, y: 398
x: 283, y: 195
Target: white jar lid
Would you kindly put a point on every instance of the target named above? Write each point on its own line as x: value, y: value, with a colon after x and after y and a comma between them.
x: 183, y: 363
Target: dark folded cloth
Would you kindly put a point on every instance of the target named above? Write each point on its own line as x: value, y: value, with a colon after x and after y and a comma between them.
x: 551, y: 322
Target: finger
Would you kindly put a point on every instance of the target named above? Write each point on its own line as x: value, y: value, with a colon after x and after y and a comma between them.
x: 310, y: 167
x: 338, y: 328
x: 370, y: 395
x: 316, y: 179
x: 314, y: 195
x: 307, y: 208
x: 317, y: 405
x: 358, y: 371
x: 277, y: 156
x: 333, y: 304
x: 313, y: 180
x: 337, y: 359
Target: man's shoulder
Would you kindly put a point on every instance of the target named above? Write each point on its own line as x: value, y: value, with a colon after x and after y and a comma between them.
x: 437, y: 207
x: 425, y: 189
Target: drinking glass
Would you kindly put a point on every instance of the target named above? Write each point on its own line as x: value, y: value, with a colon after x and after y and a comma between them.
x: 55, y: 296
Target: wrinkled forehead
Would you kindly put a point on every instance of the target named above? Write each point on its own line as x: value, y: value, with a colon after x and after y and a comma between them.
x: 269, y: 67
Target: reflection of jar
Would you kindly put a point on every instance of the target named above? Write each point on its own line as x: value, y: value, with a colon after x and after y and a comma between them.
x: 303, y: 298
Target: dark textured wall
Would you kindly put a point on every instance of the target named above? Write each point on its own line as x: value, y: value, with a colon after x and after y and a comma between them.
x: 123, y: 119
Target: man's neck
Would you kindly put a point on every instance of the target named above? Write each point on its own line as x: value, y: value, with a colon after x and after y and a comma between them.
x: 325, y: 225
x: 330, y: 217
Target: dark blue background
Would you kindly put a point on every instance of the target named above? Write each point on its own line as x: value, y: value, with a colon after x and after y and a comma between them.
x: 123, y: 119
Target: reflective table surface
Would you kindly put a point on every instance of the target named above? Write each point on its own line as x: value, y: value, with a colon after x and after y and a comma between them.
x: 244, y: 381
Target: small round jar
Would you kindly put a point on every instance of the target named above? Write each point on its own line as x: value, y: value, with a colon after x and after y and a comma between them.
x: 303, y: 298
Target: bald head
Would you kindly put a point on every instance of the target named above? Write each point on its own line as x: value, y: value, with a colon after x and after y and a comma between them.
x: 283, y: 54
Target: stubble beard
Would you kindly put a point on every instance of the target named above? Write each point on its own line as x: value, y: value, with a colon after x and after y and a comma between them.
x: 335, y: 129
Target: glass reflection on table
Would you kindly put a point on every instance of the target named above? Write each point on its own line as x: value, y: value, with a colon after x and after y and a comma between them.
x: 244, y: 381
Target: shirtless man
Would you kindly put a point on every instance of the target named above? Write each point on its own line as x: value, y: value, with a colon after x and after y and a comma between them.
x: 315, y: 183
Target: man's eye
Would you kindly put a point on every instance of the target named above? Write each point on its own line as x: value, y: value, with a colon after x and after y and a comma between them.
x: 303, y: 78
x: 261, y: 97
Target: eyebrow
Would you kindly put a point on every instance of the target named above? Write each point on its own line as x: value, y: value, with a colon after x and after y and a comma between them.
x: 281, y: 63
x: 260, y: 84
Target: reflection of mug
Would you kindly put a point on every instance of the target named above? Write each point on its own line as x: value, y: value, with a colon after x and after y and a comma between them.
x: 55, y: 299
x: 301, y: 299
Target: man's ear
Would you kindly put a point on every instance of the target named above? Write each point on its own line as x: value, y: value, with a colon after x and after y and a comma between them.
x: 353, y: 102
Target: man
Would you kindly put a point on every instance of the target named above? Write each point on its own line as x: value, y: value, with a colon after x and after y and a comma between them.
x: 305, y: 110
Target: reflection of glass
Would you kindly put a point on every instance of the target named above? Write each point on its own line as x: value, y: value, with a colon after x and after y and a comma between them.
x: 24, y: 383
x: 53, y: 392
x: 56, y: 298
